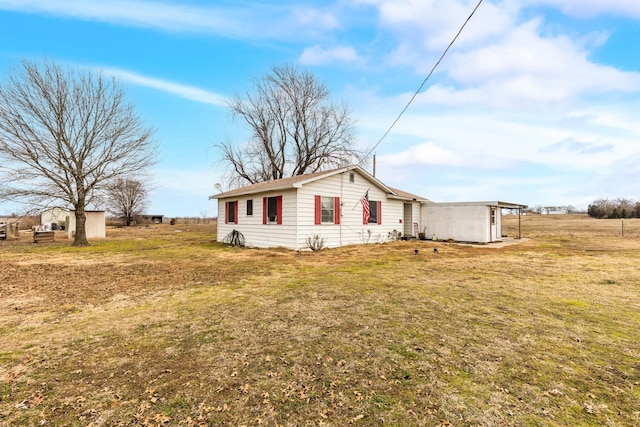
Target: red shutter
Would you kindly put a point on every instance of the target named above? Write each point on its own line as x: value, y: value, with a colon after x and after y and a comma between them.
x: 279, y: 210
x: 264, y: 210
x: 379, y: 212
x: 336, y: 210
x: 318, y: 210
x: 226, y: 212
x: 235, y: 212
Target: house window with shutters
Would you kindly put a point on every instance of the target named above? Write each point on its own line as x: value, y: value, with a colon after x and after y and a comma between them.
x: 272, y: 210
x: 231, y: 212
x: 327, y: 210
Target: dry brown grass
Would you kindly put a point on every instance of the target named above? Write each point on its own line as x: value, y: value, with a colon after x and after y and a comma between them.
x: 157, y: 327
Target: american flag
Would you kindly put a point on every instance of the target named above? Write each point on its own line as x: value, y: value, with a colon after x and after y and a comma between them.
x: 365, y: 208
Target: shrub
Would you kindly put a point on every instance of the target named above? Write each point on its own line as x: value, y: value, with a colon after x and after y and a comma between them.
x: 315, y: 242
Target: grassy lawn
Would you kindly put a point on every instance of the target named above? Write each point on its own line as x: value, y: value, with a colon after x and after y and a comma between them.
x: 164, y: 326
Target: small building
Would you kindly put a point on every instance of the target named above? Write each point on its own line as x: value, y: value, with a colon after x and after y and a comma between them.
x: 478, y: 222
x: 148, y: 219
x: 65, y: 219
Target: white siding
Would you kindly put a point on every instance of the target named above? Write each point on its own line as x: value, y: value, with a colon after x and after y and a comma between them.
x: 460, y: 223
x: 54, y: 215
x: 256, y: 234
x: 351, y: 230
x: 95, y: 226
x: 298, y: 215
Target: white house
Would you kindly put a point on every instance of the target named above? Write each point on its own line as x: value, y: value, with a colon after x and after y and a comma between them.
x: 330, y: 204
x: 95, y: 225
x: 333, y: 205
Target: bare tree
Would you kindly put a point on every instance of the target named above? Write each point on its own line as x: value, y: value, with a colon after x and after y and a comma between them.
x: 127, y: 198
x: 295, y: 129
x: 65, y: 136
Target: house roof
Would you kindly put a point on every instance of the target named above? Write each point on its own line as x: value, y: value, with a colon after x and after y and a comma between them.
x: 403, y: 195
x: 497, y: 204
x: 297, y: 182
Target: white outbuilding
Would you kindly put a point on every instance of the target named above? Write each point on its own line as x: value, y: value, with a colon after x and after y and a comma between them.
x: 95, y: 226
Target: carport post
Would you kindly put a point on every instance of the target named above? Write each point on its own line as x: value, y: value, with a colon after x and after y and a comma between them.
x: 520, y: 222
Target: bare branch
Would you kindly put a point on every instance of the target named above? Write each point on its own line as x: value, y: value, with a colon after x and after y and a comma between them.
x: 295, y: 129
x: 65, y: 136
x: 127, y: 198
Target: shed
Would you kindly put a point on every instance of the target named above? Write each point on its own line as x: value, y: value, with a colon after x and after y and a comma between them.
x: 95, y: 225
x: 478, y: 222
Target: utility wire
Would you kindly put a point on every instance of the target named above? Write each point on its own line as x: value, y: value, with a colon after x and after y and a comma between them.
x: 424, y: 81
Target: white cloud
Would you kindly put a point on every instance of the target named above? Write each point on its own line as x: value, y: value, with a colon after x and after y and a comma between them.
x: 431, y: 25
x: 573, y: 146
x: 427, y: 154
x: 499, y: 59
x: 317, y: 55
x: 528, y: 66
x: 183, y: 91
x: 260, y: 20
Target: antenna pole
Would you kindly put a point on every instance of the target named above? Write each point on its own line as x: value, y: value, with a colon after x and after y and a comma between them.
x: 374, y: 165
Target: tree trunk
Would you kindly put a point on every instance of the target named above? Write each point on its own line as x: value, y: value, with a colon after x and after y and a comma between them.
x: 80, y: 238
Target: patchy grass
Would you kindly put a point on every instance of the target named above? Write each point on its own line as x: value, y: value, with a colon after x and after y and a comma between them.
x: 157, y: 327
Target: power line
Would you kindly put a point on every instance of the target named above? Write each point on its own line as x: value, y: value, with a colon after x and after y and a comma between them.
x: 424, y: 81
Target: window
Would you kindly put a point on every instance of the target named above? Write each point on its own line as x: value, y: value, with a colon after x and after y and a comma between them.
x: 231, y: 212
x: 375, y: 212
x: 327, y: 210
x: 493, y: 216
x: 272, y: 210
x: 249, y: 207
x: 352, y: 177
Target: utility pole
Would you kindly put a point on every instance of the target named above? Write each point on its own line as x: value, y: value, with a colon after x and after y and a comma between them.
x: 374, y: 165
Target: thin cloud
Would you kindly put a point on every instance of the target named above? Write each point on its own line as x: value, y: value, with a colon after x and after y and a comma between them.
x: 574, y: 146
x: 317, y: 55
x: 184, y: 91
x: 260, y: 20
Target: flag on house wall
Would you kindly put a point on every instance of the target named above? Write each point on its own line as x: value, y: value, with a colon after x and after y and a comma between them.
x: 365, y: 208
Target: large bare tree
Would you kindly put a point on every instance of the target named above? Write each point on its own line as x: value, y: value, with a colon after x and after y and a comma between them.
x: 127, y: 198
x: 295, y: 129
x: 65, y: 135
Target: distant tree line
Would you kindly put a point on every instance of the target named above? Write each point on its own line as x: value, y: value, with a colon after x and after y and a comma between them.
x: 619, y: 208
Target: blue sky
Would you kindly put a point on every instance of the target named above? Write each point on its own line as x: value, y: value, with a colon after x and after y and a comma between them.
x: 536, y: 103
